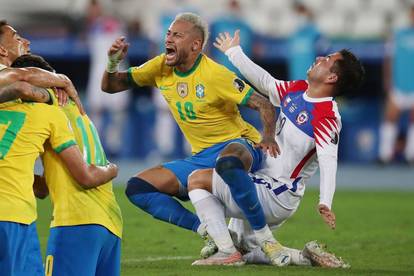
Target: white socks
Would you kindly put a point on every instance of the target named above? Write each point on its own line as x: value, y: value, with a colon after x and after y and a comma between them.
x: 211, y: 212
x: 388, y: 135
x: 264, y: 234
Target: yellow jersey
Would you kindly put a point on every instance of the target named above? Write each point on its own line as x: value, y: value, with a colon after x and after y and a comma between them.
x: 203, y: 100
x: 73, y: 205
x: 24, y: 128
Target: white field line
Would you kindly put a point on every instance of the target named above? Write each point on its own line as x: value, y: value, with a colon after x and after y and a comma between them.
x: 158, y: 259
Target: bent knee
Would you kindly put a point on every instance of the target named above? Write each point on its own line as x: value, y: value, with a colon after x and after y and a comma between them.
x: 138, y: 185
x: 200, y: 179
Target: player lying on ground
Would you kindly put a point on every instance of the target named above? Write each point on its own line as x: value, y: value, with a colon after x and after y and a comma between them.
x: 308, y: 134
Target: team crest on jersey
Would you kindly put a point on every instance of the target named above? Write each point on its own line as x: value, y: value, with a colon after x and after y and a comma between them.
x: 200, y: 91
x: 302, y: 117
x: 238, y: 84
x: 286, y: 101
x: 182, y: 89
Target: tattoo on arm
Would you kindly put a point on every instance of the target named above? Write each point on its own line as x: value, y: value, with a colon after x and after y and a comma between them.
x: 8, y: 94
x: 39, y: 94
x: 267, y: 112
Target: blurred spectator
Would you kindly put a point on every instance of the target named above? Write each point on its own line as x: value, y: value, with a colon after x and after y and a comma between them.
x: 103, y: 29
x: 399, y: 84
x: 230, y: 21
x: 304, y: 44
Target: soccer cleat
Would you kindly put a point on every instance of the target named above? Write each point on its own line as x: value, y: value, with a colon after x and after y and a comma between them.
x: 320, y: 257
x: 221, y: 258
x: 210, y: 247
x: 276, y: 253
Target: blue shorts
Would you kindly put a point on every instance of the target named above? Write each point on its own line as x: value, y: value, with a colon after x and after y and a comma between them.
x: 19, y: 249
x: 89, y: 249
x: 207, y: 159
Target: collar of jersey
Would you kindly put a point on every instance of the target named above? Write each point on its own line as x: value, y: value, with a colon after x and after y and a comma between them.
x: 185, y: 74
x: 316, y: 100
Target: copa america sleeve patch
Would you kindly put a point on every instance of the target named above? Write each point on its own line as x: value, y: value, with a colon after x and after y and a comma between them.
x: 238, y: 84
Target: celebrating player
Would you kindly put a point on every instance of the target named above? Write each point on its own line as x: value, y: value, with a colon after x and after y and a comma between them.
x: 203, y: 97
x: 82, y: 241
x: 24, y: 128
x: 308, y: 133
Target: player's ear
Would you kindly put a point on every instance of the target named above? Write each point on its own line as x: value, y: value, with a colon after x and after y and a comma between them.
x: 3, y: 51
x: 332, y: 78
x: 197, y: 44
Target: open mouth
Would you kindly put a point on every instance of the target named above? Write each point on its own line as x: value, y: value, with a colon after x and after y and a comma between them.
x: 170, y: 52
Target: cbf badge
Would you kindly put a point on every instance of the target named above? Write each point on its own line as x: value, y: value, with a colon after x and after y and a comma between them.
x: 200, y: 91
x: 182, y: 89
x: 302, y: 117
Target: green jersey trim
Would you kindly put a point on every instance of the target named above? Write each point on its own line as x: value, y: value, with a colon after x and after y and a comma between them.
x: 247, y: 97
x: 189, y: 72
x: 64, y: 146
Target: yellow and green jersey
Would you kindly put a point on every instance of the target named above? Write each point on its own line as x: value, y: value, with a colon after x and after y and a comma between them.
x: 24, y: 128
x: 73, y: 205
x: 203, y: 100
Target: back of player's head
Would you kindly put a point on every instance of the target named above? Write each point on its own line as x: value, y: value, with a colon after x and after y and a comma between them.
x: 200, y: 25
x: 32, y: 61
x: 350, y: 73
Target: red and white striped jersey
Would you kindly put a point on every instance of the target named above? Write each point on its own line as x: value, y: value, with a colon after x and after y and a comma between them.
x: 307, y: 130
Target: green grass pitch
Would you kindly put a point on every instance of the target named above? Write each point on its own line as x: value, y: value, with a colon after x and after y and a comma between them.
x: 375, y: 233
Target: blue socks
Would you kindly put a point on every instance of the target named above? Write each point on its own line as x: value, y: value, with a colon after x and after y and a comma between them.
x: 161, y: 206
x: 242, y: 189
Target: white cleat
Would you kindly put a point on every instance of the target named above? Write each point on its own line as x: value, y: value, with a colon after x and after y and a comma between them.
x: 320, y: 257
x: 221, y: 258
x: 277, y: 254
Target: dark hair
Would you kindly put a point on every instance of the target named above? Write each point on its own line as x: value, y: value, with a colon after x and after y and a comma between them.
x: 350, y: 73
x: 32, y: 61
x: 2, y: 24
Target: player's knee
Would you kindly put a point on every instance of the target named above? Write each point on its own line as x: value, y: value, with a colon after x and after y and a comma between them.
x: 138, y: 185
x: 200, y: 179
x: 226, y: 163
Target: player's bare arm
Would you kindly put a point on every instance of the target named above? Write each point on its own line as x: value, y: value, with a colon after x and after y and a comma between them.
x: 112, y: 80
x: 41, y: 78
x: 268, y: 117
x: 87, y: 176
x: 24, y: 91
x: 327, y: 215
x: 40, y: 188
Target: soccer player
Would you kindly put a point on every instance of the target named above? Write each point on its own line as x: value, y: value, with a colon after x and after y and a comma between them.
x: 14, y: 83
x: 203, y: 97
x: 82, y: 241
x: 24, y: 128
x: 308, y: 133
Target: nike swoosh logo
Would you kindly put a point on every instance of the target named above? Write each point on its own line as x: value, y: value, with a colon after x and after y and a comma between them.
x: 164, y: 88
x: 254, y: 206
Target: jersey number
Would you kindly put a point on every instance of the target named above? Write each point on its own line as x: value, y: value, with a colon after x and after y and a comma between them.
x: 11, y: 122
x: 189, y: 111
x: 100, y: 158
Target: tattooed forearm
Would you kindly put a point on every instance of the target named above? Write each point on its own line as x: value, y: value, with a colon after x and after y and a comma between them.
x: 8, y: 94
x: 267, y: 112
x: 39, y: 95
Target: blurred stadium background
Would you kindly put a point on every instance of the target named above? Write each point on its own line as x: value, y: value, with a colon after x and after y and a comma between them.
x: 61, y: 31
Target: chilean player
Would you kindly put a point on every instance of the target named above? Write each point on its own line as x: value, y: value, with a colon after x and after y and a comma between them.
x: 308, y: 134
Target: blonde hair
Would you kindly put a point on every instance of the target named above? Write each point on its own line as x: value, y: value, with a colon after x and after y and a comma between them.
x: 199, y: 24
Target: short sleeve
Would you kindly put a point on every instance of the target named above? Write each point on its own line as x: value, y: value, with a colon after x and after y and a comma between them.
x: 232, y: 88
x: 61, y: 134
x: 145, y: 74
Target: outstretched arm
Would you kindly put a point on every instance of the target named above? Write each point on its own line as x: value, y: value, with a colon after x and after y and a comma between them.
x: 256, y: 75
x: 268, y: 117
x: 112, y: 80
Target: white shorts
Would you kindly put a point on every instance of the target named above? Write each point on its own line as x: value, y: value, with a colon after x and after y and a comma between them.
x: 403, y: 101
x: 276, y: 208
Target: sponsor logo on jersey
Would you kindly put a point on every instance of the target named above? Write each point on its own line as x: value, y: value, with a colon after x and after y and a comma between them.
x: 334, y: 138
x: 182, y: 89
x: 293, y: 107
x: 302, y: 117
x: 238, y: 84
x: 200, y: 91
